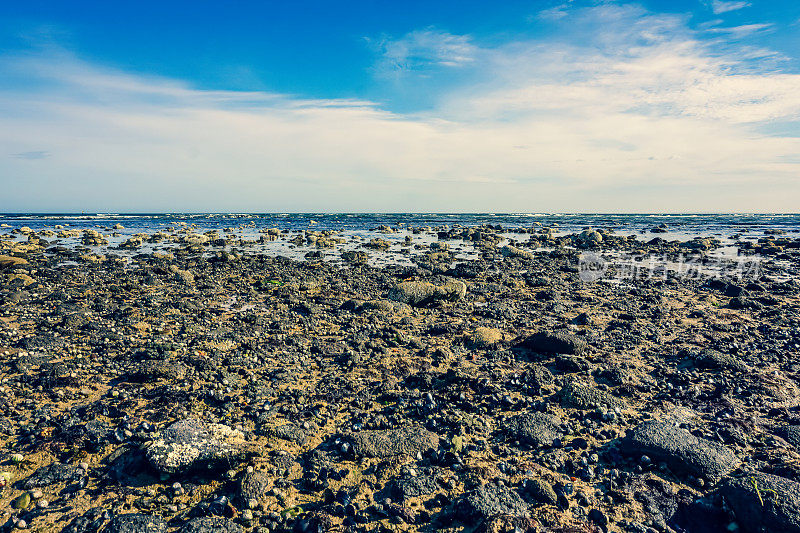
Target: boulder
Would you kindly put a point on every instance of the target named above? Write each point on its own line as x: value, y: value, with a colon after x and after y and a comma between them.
x: 483, y: 338
x: 555, y: 342
x: 585, y: 396
x: 9, y: 261
x: 488, y: 501
x: 192, y: 443
x: 680, y: 450
x: 408, y: 440
x: 535, y: 429
x: 421, y: 293
x: 763, y: 503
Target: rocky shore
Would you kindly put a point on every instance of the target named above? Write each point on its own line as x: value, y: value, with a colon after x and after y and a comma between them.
x: 209, y: 388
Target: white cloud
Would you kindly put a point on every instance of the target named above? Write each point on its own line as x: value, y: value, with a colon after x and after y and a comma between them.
x: 745, y: 30
x: 554, y: 13
x: 640, y: 116
x: 423, y: 49
x: 721, y: 6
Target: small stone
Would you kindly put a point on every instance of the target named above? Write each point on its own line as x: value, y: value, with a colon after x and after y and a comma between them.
x: 22, y: 501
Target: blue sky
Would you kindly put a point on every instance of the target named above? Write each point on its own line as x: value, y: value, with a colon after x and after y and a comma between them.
x: 689, y: 105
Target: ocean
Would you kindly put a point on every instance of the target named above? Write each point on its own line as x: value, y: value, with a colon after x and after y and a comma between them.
x: 680, y: 225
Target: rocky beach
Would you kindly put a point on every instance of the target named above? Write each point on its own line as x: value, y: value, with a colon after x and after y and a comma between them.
x: 457, y: 378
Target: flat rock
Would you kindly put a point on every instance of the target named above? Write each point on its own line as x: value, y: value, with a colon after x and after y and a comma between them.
x: 535, y: 429
x: 136, y: 523
x: 716, y: 360
x: 680, y: 450
x: 490, y: 500
x: 763, y: 503
x: 386, y: 306
x: 407, y: 440
x: 414, y: 487
x: 193, y: 443
x: 211, y: 524
x: 52, y: 474
x: 555, y: 342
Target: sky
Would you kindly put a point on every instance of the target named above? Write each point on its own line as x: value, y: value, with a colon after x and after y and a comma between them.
x: 377, y: 106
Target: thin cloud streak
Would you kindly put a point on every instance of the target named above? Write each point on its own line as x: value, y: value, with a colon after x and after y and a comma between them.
x: 722, y: 6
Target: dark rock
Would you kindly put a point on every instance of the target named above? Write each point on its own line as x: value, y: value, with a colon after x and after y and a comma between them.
x: 491, y: 500
x: 571, y: 364
x: 52, y: 474
x: 255, y: 486
x: 211, y: 524
x: 713, y: 359
x: 680, y: 450
x: 407, y: 440
x: 414, y: 487
x: 535, y: 429
x: 790, y: 434
x: 89, y: 522
x: 155, y: 370
x: 537, y: 377
x: 584, y: 396
x: 136, y: 523
x: 555, y: 342
x: 539, y: 491
x: 763, y: 503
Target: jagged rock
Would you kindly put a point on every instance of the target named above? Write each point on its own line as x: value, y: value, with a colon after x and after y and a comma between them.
x: 414, y: 487
x: 89, y: 522
x: 790, y: 434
